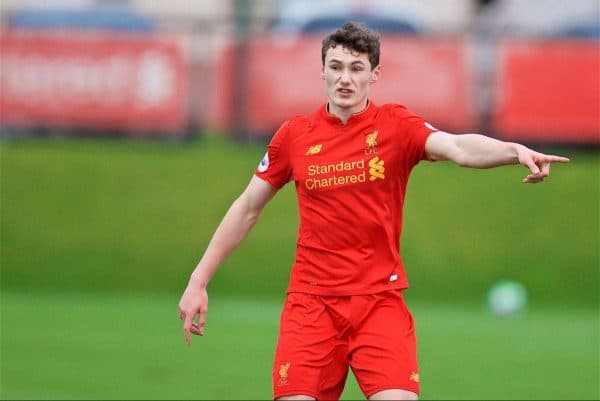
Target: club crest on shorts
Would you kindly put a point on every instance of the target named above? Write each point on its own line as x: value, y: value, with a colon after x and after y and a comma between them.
x: 264, y: 163
x: 283, y: 374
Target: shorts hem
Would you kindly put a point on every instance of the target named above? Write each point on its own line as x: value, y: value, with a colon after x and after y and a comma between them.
x: 331, y: 292
x: 392, y: 387
x: 295, y: 392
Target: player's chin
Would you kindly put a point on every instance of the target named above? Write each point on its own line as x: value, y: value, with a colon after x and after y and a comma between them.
x: 345, y: 102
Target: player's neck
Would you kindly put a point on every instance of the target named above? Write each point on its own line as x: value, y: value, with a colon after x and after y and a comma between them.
x: 344, y: 114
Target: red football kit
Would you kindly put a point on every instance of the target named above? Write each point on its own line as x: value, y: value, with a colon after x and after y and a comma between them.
x: 350, y: 180
x: 344, y: 305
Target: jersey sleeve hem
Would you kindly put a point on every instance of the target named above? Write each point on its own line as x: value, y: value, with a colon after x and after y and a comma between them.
x: 270, y: 181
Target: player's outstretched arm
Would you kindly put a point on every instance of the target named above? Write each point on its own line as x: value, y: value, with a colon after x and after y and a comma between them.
x: 480, y: 151
x: 235, y: 226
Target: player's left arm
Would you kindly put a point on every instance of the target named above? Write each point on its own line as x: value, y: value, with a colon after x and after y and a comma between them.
x: 480, y: 151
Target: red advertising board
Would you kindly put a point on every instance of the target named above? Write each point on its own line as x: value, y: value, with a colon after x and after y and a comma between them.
x: 548, y: 91
x: 430, y: 76
x: 90, y: 80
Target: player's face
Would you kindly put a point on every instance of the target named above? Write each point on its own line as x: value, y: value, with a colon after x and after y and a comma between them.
x: 348, y: 77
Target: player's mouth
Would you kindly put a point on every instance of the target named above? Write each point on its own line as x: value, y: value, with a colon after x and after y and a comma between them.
x: 345, y: 92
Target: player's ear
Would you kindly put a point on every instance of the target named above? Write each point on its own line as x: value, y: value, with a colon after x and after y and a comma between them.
x: 322, y: 72
x: 375, y: 74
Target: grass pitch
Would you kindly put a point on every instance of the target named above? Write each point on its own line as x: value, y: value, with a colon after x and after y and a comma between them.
x: 84, y: 215
x: 98, y: 239
x: 101, y: 346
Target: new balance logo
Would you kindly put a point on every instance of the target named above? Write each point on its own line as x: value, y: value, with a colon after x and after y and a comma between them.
x: 313, y: 150
x: 376, y: 169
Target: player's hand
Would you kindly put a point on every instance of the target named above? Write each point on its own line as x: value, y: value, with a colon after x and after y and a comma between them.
x: 538, y: 164
x: 194, y: 302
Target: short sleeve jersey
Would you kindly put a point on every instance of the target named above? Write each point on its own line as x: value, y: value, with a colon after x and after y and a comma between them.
x: 350, y: 182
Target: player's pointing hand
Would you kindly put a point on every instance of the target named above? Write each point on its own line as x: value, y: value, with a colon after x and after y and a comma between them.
x: 538, y: 164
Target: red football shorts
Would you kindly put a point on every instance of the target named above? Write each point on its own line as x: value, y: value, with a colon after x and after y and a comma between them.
x: 321, y: 336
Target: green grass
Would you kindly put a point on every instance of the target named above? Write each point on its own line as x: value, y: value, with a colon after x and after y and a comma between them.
x: 98, y: 237
x: 95, y: 346
x: 122, y: 216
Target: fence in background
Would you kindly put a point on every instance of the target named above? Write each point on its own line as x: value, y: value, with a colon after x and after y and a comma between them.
x: 152, y: 84
x: 548, y: 91
x: 283, y: 79
x: 126, y: 83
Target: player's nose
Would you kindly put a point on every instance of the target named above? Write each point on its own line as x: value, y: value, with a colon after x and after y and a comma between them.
x: 345, y: 76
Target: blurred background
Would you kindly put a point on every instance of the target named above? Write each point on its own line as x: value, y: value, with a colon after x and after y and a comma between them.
x: 127, y: 128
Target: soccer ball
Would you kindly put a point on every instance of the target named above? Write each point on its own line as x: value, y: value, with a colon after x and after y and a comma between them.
x: 506, y: 298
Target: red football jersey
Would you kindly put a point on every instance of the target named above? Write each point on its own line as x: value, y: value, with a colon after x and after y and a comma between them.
x: 350, y: 180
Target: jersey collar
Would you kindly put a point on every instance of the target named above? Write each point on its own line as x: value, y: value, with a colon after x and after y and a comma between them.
x: 354, y: 118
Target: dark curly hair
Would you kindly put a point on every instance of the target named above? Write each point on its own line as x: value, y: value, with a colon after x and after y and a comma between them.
x: 357, y: 37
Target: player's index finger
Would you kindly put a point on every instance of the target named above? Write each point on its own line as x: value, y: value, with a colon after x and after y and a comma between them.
x: 558, y: 159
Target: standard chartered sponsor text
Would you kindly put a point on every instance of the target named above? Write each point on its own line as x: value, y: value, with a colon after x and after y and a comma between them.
x: 352, y: 172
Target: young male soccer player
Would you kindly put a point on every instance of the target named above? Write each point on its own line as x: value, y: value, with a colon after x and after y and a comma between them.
x: 350, y: 161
